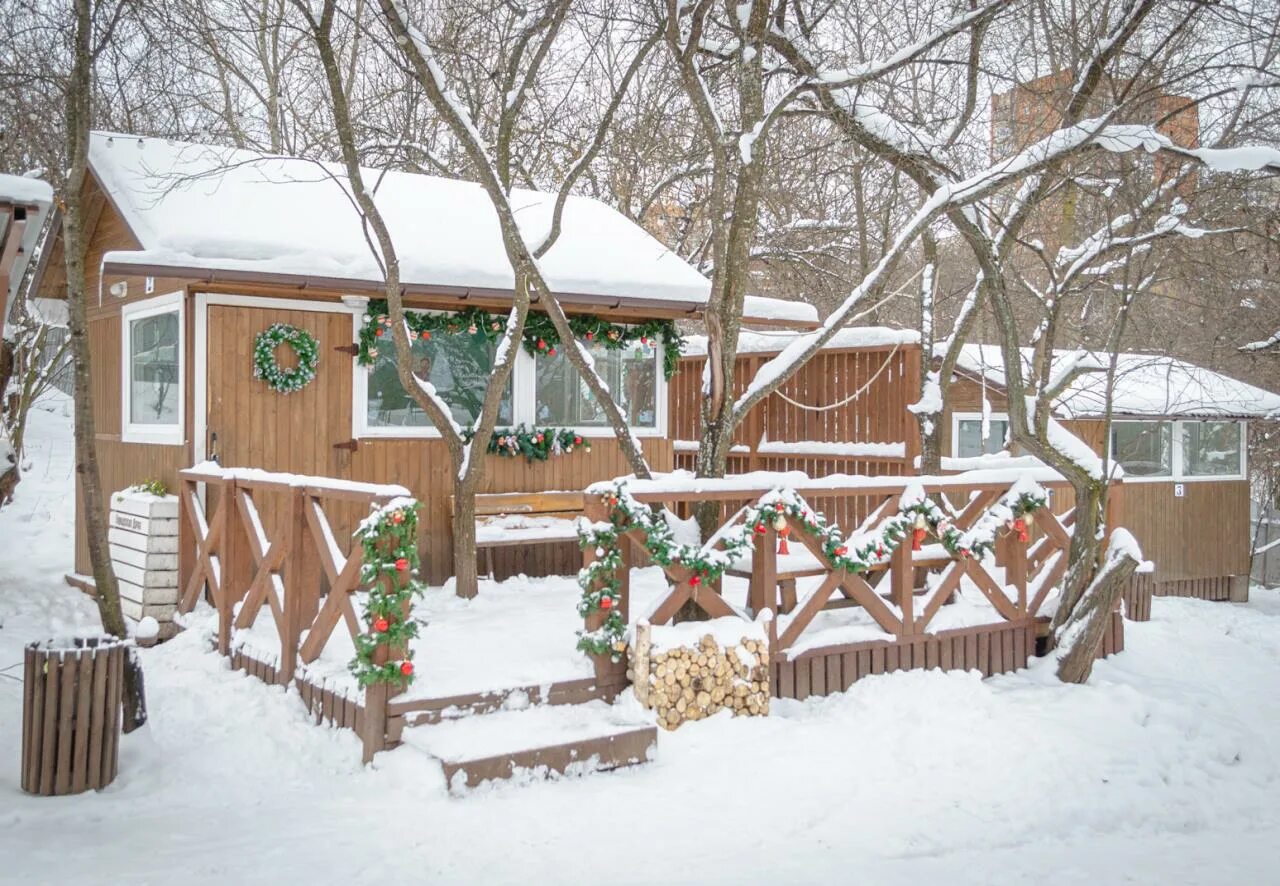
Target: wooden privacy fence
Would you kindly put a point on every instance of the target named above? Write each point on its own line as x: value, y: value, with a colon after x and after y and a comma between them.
x: 903, y: 593
x: 269, y: 542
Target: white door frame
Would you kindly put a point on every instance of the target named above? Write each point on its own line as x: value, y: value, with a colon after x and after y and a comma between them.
x: 205, y: 300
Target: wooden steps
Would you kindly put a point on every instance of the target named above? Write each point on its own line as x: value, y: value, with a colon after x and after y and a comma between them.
x: 538, y: 742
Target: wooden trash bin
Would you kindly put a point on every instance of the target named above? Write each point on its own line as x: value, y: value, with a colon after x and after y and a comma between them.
x: 71, y: 714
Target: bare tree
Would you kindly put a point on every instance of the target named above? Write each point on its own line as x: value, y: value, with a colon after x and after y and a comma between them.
x: 93, y: 27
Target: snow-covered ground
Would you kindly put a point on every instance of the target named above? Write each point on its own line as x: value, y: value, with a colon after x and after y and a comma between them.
x: 1164, y: 769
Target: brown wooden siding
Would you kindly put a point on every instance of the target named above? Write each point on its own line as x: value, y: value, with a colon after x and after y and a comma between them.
x: 878, y: 415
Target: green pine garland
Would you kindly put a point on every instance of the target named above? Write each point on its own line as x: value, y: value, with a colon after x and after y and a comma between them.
x: 389, y: 542
x: 539, y: 337
x: 535, y: 444
x: 265, y: 367
x: 601, y: 589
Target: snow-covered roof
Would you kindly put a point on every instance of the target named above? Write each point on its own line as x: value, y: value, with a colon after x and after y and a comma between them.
x: 36, y: 197
x: 771, y: 342
x: 1145, y: 385
x: 200, y: 207
x: 764, y: 310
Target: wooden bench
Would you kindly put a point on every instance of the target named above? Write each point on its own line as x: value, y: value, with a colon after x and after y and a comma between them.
x: 508, y: 519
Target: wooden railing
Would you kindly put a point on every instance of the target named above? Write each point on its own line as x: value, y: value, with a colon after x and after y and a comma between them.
x: 270, y: 542
x: 898, y: 594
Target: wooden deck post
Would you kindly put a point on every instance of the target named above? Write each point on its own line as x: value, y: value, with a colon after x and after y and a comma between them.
x: 902, y: 575
x: 763, y: 592
x: 228, y: 566
x: 295, y: 590
x: 1012, y: 555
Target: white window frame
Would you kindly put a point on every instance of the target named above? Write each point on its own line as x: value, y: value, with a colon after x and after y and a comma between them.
x: 957, y: 417
x: 1177, y: 473
x: 166, y: 435
x: 524, y: 389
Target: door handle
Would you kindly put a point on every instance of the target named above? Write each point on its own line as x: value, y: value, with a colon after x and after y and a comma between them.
x: 213, y: 446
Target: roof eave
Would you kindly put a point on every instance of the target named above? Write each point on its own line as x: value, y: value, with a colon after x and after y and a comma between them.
x: 462, y: 294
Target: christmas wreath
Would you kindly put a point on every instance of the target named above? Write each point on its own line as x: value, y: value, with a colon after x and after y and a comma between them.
x: 265, y: 367
x: 388, y: 540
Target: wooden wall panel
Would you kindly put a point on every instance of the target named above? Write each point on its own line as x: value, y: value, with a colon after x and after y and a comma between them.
x: 877, y: 415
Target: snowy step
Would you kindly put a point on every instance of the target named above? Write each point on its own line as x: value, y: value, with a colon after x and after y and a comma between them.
x: 538, y: 742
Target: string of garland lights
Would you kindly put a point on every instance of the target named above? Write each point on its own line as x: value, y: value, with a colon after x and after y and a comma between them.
x: 388, y: 539
x: 917, y: 518
x: 535, y: 444
x: 539, y: 336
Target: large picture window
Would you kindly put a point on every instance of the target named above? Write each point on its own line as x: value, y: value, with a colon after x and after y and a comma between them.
x: 563, y: 399
x: 457, y: 366
x: 152, y: 382
x: 1179, y: 450
x: 544, y: 391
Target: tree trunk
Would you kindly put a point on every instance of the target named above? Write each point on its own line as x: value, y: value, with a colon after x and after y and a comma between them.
x: 79, y: 89
x: 1083, y: 553
x: 467, y: 583
x: 1081, y: 635
x: 930, y: 444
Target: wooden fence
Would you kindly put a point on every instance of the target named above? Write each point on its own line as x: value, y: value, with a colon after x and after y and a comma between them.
x: 291, y: 563
x: 898, y: 595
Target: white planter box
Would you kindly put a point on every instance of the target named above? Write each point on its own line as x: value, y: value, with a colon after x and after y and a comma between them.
x: 143, y: 538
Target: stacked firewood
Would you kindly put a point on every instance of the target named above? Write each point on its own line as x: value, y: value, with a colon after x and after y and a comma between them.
x: 693, y: 682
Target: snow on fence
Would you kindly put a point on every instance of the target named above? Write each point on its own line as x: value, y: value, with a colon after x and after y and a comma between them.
x: 877, y: 599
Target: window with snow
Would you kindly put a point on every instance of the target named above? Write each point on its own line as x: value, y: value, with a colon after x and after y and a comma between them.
x: 152, y: 382
x: 632, y: 374
x: 1211, y: 448
x: 1143, y: 448
x: 972, y: 442
x: 457, y: 366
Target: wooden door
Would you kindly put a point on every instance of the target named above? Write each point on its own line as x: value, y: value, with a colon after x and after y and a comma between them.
x: 258, y: 427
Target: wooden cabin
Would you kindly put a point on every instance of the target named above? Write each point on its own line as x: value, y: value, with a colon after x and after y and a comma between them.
x: 1180, y: 433
x: 194, y: 251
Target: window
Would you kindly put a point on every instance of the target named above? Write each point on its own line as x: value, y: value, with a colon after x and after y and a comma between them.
x: 969, y: 441
x: 1211, y: 448
x: 458, y: 366
x: 562, y: 398
x: 1179, y: 450
x: 1143, y: 448
x: 152, y: 380
x: 544, y: 391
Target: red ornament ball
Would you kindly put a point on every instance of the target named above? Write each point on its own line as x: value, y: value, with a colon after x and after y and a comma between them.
x: 402, y: 564
x: 841, y: 551
x: 397, y: 517
x: 591, y: 336
x: 551, y: 353
x: 380, y: 625
x: 406, y: 668
x: 426, y: 334
x: 695, y: 579
x: 760, y: 529
x: 542, y: 345
x: 378, y: 332
x: 606, y: 602
x: 577, y: 441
